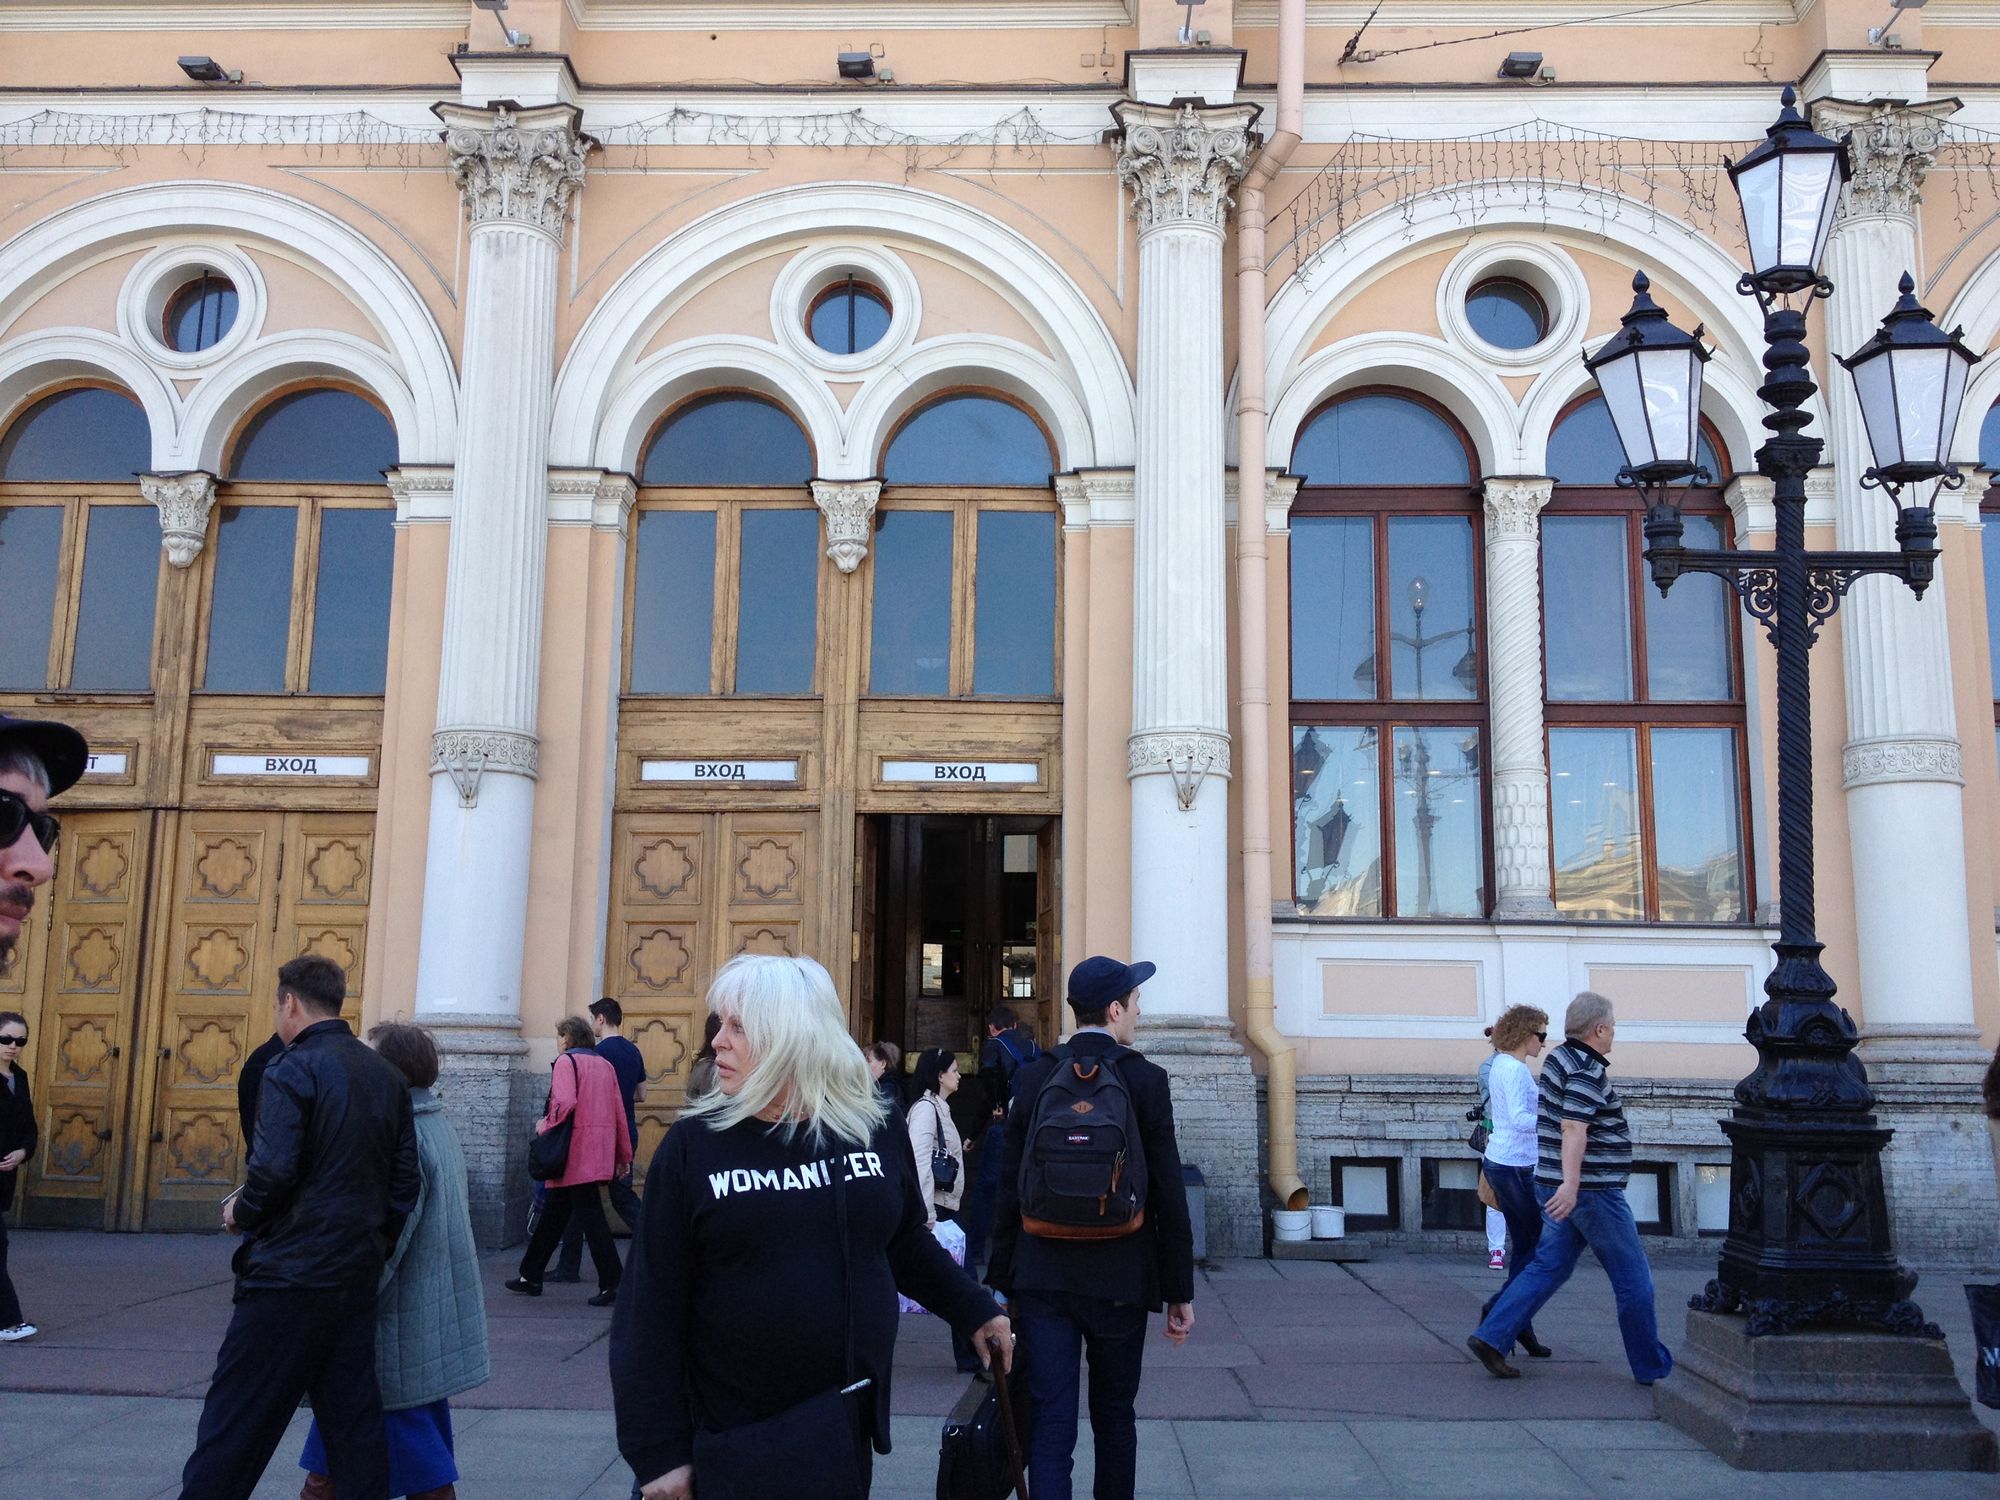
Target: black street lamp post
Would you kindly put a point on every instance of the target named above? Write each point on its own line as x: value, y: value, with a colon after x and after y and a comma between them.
x: 1809, y: 1243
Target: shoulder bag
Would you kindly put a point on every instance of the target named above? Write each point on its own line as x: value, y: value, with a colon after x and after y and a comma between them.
x: 820, y: 1437
x: 548, y: 1150
x: 944, y: 1166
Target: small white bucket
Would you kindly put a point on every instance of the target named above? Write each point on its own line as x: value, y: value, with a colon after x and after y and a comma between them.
x: 1329, y: 1223
x: 1291, y: 1226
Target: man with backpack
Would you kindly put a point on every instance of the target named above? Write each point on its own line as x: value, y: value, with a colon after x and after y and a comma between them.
x: 1009, y: 1045
x: 1091, y: 1232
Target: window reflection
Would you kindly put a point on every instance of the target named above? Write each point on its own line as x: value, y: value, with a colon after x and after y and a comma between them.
x: 673, y: 601
x: 350, y: 643
x: 121, y: 577
x: 777, y: 617
x: 969, y: 439
x: 1584, y: 448
x: 250, y: 607
x: 1333, y: 607
x: 30, y: 554
x: 911, y: 641
x: 1336, y: 806
x: 1687, y: 631
x: 1440, y: 859
x: 317, y: 437
x: 728, y: 438
x: 88, y: 433
x: 1433, y: 647
x: 1697, y: 825
x: 1014, y: 604
x: 1596, y: 848
x: 1586, y: 608
x: 1381, y: 440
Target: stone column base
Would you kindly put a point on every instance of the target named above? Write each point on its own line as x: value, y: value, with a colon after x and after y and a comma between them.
x: 1812, y: 1401
x: 1215, y: 1116
x: 492, y: 1102
x: 1939, y: 1163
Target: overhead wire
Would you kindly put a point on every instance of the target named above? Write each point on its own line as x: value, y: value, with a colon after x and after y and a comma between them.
x: 1487, y: 36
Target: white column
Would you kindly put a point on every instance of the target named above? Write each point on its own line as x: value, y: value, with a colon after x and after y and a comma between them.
x: 1514, y: 694
x: 1180, y: 165
x: 517, y: 171
x: 1901, y: 765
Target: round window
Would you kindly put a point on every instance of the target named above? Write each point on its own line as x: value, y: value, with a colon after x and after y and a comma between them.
x: 1507, y: 314
x: 848, y: 317
x: 199, y: 313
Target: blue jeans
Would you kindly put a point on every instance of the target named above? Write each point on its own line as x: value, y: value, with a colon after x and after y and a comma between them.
x: 1602, y: 1220
x: 981, y: 1196
x: 1055, y: 1328
x: 1515, y: 1188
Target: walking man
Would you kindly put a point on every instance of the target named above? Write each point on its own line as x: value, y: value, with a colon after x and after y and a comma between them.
x: 333, y: 1175
x: 1075, y: 1285
x: 1008, y: 1047
x: 607, y: 1016
x: 1585, y: 1157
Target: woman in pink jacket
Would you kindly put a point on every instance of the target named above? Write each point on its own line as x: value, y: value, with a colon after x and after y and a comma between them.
x: 585, y: 1089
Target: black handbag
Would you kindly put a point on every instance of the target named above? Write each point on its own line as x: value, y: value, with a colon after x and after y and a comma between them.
x: 1479, y: 1135
x: 944, y: 1166
x: 982, y: 1453
x: 548, y: 1150
x: 820, y: 1437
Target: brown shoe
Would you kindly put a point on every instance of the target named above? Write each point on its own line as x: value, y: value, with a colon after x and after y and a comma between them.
x: 1495, y: 1362
x: 317, y: 1487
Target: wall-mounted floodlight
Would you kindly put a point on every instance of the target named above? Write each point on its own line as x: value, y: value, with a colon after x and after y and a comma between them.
x: 1878, y: 36
x: 1520, y: 65
x: 520, y: 41
x: 208, y: 70
x: 856, y: 64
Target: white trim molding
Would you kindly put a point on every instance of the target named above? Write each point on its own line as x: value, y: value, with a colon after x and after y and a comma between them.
x: 812, y: 271
x: 142, y: 301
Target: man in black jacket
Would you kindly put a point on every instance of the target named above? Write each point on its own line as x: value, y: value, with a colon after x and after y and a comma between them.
x: 1071, y: 1295
x: 330, y: 1181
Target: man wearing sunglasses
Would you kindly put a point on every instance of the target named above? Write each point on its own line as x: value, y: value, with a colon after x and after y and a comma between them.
x: 37, y: 761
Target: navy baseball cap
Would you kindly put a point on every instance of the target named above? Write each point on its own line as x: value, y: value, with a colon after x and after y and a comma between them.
x: 59, y: 748
x: 1098, y: 982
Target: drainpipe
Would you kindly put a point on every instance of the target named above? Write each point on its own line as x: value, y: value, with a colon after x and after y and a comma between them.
x: 1252, y: 556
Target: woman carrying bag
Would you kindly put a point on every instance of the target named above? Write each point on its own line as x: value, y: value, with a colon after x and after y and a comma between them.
x: 939, y: 1152
x: 752, y: 1346
x: 1511, y: 1148
x: 18, y: 1139
x: 584, y: 1101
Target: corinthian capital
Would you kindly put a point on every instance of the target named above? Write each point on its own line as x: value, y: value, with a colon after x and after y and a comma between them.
x: 1892, y: 146
x: 1182, y: 162
x: 849, y: 509
x: 1514, y: 505
x: 184, y: 502
x: 516, y: 166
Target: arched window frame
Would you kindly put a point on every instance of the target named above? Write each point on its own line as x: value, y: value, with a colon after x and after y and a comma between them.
x: 1640, y: 713
x: 966, y: 503
x: 1382, y: 713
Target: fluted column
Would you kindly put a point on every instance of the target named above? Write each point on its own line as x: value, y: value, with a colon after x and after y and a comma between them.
x: 1514, y: 694
x: 517, y: 171
x: 1180, y: 165
x: 1901, y: 765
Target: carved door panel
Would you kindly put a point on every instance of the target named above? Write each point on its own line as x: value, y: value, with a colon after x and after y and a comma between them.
x: 323, y: 895
x: 88, y: 975
x: 764, y: 880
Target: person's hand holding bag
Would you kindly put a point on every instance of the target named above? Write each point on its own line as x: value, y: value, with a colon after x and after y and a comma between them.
x: 675, y: 1484
x: 995, y: 1338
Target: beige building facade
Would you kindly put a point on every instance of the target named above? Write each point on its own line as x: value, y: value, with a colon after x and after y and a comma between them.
x: 532, y: 503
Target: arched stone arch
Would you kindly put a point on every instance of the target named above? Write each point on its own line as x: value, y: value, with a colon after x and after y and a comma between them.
x: 1727, y: 401
x: 417, y: 355
x: 30, y: 365
x: 1977, y: 306
x: 1468, y: 390
x: 221, y: 402
x: 998, y: 364
x: 672, y: 375
x: 598, y: 375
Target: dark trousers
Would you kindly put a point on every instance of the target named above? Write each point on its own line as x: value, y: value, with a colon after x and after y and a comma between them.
x: 981, y: 1196
x: 10, y: 1305
x: 1055, y: 1329
x: 585, y: 1203
x: 1515, y: 1188
x: 624, y: 1203
x: 284, y: 1343
x: 962, y: 1353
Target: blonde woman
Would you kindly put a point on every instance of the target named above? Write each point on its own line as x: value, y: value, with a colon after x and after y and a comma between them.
x: 1511, y: 1149
x: 782, y: 1216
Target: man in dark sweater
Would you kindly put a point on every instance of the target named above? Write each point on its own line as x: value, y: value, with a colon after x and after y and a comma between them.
x: 1072, y: 1295
x: 333, y: 1176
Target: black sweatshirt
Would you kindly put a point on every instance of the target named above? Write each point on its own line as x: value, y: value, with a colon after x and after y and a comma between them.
x: 731, y: 1308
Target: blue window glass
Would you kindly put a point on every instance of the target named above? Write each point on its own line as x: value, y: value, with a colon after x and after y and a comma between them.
x: 200, y: 313
x: 90, y: 434
x: 1989, y: 438
x: 30, y: 553
x: 250, y: 604
x: 1380, y: 440
x: 1433, y: 637
x: 317, y: 437
x: 911, y: 632
x: 849, y: 316
x: 1687, y: 632
x: 1333, y: 607
x: 114, y: 618
x: 673, y: 602
x: 969, y: 440
x: 1697, y: 825
x: 1014, y: 604
x: 357, y: 558
x: 728, y: 439
x: 1584, y: 449
x: 1507, y: 314
x: 777, y: 617
x: 1586, y: 609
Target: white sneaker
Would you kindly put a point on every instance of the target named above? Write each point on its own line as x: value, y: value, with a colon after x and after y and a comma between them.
x: 18, y: 1332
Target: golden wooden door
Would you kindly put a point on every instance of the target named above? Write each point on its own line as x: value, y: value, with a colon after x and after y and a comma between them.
x: 690, y: 891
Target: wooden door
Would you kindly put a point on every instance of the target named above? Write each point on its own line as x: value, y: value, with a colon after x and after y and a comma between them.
x: 86, y: 970
x: 1049, y: 1019
x: 867, y: 878
x: 689, y: 892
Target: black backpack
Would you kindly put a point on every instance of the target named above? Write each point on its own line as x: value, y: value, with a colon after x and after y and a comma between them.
x: 1083, y: 1169
x: 1011, y: 1064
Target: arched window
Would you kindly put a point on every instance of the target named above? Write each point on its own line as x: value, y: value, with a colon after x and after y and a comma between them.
x: 943, y: 559
x: 302, y: 551
x: 1387, y: 665
x: 688, y: 549
x: 67, y: 485
x: 729, y: 438
x: 1644, y: 697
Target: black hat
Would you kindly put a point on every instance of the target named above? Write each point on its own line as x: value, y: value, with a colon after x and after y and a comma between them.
x: 59, y: 748
x: 1098, y: 982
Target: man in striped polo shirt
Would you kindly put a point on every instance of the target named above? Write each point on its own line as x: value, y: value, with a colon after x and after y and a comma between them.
x: 1585, y: 1158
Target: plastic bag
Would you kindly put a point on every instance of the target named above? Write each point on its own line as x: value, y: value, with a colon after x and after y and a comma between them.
x: 953, y: 1239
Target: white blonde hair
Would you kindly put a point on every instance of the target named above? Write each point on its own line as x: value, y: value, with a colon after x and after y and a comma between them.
x: 800, y: 1053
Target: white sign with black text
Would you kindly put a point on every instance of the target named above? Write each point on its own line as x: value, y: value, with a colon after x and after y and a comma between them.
x: 105, y: 763
x: 344, y: 767
x: 719, y: 772
x: 962, y: 772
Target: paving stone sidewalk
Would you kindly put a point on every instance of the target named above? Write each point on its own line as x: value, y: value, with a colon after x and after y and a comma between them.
x: 1301, y: 1380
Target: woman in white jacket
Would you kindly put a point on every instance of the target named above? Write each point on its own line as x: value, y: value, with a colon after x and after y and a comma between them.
x: 934, y: 1141
x: 1511, y: 1148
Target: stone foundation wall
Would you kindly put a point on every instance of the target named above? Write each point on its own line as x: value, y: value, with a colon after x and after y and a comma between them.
x: 493, y: 1103
x: 1215, y: 1117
